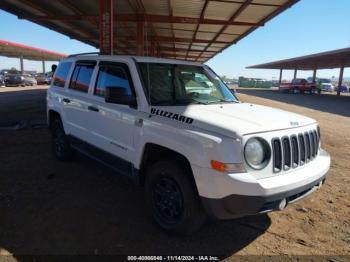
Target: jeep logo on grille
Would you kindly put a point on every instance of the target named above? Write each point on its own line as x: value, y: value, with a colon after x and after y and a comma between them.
x: 294, y: 123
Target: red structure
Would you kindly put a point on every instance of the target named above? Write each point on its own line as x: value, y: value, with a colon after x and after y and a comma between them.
x: 11, y: 49
x: 106, y: 27
x: 182, y: 29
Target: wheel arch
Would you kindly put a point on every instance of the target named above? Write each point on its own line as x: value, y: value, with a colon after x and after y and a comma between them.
x: 52, y: 115
x: 153, y: 153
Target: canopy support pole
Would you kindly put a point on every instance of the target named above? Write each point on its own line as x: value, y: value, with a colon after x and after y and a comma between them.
x: 295, y: 73
x: 314, y: 76
x: 21, y: 63
x: 281, y: 73
x: 140, y: 44
x: 106, y: 27
x: 340, y: 82
x: 44, y: 71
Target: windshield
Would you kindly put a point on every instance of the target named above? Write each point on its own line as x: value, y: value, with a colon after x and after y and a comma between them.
x: 172, y: 84
x: 325, y: 81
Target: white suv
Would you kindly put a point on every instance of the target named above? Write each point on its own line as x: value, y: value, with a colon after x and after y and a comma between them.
x: 175, y: 128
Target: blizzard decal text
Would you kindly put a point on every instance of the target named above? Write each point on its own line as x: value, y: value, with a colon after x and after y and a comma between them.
x: 170, y: 115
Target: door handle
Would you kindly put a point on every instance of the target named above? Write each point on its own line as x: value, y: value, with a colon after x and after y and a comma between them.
x: 66, y: 100
x: 93, y: 108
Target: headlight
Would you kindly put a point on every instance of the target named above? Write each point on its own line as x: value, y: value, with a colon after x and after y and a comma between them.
x: 257, y: 153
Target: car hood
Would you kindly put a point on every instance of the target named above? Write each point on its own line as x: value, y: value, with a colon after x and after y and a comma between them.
x: 239, y: 118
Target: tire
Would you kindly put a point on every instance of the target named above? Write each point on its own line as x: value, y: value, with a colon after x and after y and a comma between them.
x: 172, y: 198
x: 60, y: 141
x: 295, y: 91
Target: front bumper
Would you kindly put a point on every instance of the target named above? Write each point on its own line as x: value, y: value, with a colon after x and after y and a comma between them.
x: 237, y: 195
x: 234, y: 206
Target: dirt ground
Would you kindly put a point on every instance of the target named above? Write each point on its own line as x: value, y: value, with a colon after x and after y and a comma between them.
x: 53, y: 208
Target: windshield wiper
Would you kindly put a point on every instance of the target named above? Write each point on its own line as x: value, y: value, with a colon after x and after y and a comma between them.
x: 219, y: 101
x: 228, y: 101
x: 177, y: 102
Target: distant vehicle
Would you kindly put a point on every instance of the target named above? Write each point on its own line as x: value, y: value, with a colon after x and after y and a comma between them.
x: 20, y: 80
x: 29, y: 80
x: 343, y: 89
x: 324, y: 80
x: 43, y: 79
x: 299, y: 85
x: 5, y: 73
x: 327, y: 87
x: 15, y: 80
x: 2, y: 81
x: 231, y: 82
x: 325, y: 84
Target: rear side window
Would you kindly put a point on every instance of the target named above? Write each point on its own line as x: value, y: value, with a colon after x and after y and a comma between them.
x: 112, y: 75
x: 61, y: 74
x: 81, y: 77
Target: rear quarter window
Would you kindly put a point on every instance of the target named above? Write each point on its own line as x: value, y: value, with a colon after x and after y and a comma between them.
x: 81, y: 77
x: 61, y: 74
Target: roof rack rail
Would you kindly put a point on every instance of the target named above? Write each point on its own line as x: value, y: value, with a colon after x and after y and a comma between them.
x: 91, y: 53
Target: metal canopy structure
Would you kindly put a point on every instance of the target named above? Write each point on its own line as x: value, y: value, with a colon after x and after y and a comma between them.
x: 11, y: 49
x: 327, y: 60
x: 194, y: 30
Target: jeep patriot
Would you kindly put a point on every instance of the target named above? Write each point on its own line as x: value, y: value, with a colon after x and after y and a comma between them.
x: 177, y: 130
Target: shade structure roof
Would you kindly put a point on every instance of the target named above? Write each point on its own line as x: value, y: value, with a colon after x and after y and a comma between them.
x: 326, y: 60
x: 194, y: 30
x: 11, y: 49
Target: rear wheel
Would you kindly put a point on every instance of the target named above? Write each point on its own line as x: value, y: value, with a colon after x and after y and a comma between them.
x: 172, y: 198
x: 60, y: 142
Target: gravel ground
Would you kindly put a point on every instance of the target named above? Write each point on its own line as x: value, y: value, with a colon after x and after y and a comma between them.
x: 53, y: 208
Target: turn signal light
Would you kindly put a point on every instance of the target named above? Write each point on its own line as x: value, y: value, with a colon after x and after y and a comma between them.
x: 230, y: 168
x: 221, y: 167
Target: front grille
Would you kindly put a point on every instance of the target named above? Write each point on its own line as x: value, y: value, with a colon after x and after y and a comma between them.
x: 295, y: 150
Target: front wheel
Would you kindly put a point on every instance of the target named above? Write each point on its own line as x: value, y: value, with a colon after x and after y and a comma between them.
x: 294, y: 91
x: 172, y: 198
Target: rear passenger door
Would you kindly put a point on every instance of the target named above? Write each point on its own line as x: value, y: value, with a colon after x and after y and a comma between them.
x: 77, y: 102
x: 112, y: 124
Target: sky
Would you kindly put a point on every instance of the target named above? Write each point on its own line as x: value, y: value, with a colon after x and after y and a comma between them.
x: 310, y: 26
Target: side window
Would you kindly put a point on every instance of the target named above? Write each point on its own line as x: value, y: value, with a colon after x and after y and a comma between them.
x: 112, y: 75
x: 61, y: 74
x: 81, y: 77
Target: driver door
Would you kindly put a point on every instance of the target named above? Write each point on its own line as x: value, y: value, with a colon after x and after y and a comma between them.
x: 112, y: 124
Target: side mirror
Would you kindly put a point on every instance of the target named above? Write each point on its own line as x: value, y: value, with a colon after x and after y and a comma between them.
x: 119, y: 95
